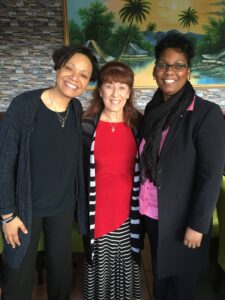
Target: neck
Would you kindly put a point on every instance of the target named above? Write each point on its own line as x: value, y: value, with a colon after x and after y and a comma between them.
x: 113, y: 116
x: 58, y: 102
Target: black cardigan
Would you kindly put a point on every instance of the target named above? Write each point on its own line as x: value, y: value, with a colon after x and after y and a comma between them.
x: 15, y: 174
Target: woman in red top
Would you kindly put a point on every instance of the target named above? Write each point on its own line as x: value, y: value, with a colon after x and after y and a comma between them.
x: 112, y: 178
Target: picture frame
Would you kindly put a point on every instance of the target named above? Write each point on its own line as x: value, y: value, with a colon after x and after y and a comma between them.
x: 209, y: 65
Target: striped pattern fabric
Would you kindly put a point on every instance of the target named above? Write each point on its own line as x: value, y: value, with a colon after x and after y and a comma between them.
x: 113, y: 275
x: 92, y: 194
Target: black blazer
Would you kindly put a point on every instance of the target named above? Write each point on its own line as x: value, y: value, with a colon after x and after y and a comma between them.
x: 189, y: 172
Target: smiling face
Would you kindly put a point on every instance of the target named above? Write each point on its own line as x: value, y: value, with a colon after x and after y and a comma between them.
x: 73, y: 77
x: 114, y: 96
x: 168, y: 80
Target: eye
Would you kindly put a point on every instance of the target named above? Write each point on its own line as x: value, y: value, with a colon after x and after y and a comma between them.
x: 85, y: 76
x: 108, y: 86
x: 68, y: 67
x: 179, y: 66
x: 122, y: 87
x: 161, y: 66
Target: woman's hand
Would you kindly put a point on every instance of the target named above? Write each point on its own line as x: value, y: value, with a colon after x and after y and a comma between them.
x: 192, y: 238
x: 11, y: 229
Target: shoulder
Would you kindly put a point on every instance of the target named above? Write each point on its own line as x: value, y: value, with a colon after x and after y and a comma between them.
x: 77, y: 106
x: 208, y: 115
x: 23, y: 105
x: 27, y: 97
x: 25, y: 100
x: 89, y: 124
x: 204, y: 110
x: 202, y: 105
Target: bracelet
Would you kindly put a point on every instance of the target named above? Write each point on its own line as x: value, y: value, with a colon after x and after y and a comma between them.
x: 9, y: 219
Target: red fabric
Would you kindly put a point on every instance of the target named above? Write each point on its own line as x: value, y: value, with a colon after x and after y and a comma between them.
x: 115, y: 154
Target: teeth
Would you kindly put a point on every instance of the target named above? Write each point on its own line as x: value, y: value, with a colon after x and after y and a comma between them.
x: 72, y: 85
x: 169, y: 80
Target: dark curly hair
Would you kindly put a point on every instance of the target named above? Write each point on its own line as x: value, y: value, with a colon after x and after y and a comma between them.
x: 176, y: 41
x: 62, y: 55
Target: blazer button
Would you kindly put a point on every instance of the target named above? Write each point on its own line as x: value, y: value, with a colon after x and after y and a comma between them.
x: 159, y: 187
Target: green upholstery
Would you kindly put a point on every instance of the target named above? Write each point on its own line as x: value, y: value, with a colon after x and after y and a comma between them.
x: 215, y: 225
x: 221, y: 218
x: 77, y: 241
x: 41, y: 244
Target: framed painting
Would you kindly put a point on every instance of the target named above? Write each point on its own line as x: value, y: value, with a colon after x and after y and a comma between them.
x: 117, y: 30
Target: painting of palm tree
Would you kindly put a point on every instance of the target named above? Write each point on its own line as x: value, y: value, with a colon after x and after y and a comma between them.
x: 137, y: 10
x: 151, y: 27
x: 128, y: 30
x: 188, y: 17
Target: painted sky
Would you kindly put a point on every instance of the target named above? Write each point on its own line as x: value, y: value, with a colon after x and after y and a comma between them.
x: 163, y: 12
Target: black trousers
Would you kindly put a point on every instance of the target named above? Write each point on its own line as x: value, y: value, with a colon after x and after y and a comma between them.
x: 18, y: 283
x: 178, y: 287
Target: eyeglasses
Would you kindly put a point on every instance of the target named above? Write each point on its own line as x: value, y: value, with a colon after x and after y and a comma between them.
x: 175, y: 67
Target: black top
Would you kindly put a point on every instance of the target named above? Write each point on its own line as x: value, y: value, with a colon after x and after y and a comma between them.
x: 15, y: 168
x: 54, y: 155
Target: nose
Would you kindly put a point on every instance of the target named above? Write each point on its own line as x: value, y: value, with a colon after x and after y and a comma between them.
x: 115, y: 91
x: 169, y: 69
x: 74, y: 75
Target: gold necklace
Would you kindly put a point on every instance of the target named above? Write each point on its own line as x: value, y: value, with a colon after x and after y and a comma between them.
x: 111, y: 123
x: 62, y: 120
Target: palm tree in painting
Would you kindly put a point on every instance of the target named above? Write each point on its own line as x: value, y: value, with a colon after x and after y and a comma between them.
x: 134, y: 10
x: 214, y: 31
x: 188, y: 17
x: 151, y: 27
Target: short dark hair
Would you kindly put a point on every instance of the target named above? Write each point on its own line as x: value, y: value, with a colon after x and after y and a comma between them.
x: 63, y: 54
x: 176, y: 41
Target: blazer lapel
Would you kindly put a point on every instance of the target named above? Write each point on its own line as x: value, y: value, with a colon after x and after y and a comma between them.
x: 171, y: 136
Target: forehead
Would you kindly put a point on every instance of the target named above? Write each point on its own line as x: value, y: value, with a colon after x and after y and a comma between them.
x: 117, y: 77
x: 115, y: 82
x: 173, y: 54
x: 80, y: 60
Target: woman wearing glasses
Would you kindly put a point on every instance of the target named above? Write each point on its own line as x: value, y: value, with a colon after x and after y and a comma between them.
x: 182, y: 158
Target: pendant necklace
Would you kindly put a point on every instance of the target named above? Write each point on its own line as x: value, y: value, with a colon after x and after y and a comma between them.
x: 62, y: 119
x: 111, y: 123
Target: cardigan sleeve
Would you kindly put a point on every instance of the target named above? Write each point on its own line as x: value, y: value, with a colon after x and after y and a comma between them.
x: 210, y: 151
x: 10, y: 132
x: 81, y: 201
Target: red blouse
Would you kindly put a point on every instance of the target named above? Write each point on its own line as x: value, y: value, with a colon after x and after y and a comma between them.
x: 115, y: 154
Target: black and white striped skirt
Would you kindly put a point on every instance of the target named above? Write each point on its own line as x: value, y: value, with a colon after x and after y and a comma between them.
x: 114, y: 275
